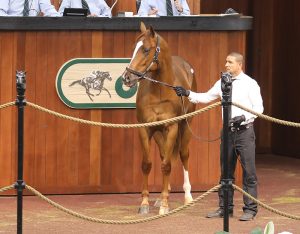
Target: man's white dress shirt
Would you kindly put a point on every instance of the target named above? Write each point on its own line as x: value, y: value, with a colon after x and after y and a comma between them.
x: 160, y: 5
x: 16, y: 7
x: 245, y: 91
x: 97, y: 7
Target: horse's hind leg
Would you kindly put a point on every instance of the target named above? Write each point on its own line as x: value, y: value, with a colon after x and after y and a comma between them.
x: 146, y: 168
x: 184, y: 156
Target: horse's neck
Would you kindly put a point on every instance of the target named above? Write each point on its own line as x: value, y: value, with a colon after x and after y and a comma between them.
x: 102, y: 80
x: 165, y: 72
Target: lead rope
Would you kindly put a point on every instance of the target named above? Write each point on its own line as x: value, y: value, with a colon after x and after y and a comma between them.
x: 159, y: 82
x: 194, y: 135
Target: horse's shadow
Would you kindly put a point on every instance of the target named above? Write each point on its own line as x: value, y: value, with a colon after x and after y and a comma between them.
x: 94, y: 81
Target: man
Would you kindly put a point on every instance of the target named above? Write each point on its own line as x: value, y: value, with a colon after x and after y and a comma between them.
x: 160, y: 8
x: 27, y: 8
x: 246, y: 92
x: 95, y: 7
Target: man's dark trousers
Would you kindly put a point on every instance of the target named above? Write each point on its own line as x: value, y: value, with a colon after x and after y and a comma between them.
x: 241, y: 143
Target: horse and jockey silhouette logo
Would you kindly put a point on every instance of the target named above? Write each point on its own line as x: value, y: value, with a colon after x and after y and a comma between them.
x: 95, y: 81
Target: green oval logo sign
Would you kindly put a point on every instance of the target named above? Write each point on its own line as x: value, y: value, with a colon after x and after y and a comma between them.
x: 128, y: 93
x: 94, y: 83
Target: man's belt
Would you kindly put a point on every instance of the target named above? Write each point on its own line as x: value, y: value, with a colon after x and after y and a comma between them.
x: 240, y: 127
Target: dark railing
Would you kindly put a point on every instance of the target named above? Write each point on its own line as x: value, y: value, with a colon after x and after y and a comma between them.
x: 170, y: 23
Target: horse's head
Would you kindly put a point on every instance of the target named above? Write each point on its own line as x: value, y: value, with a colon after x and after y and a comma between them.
x: 106, y: 75
x: 145, y: 56
x: 101, y: 75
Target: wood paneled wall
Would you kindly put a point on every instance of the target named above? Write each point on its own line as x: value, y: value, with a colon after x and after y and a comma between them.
x: 62, y: 156
x: 130, y: 5
x: 286, y: 82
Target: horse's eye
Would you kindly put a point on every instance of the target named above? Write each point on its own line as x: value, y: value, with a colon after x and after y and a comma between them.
x: 146, y: 51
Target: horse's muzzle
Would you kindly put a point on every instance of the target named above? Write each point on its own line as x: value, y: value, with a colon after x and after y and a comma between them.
x: 130, y: 80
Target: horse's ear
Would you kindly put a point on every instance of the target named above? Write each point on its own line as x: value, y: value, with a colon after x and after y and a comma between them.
x: 143, y: 27
x: 152, y: 32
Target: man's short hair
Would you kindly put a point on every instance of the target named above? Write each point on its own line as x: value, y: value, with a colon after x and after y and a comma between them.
x: 238, y: 57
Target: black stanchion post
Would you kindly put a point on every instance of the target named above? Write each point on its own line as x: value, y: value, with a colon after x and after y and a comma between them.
x: 226, y: 86
x: 20, y: 184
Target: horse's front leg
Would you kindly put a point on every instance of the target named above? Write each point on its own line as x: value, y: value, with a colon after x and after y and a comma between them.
x: 105, y: 89
x: 159, y: 139
x: 146, y: 168
x: 89, y: 94
x: 170, y: 136
x: 184, y: 156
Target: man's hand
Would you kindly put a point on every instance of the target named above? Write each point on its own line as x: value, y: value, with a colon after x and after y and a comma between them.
x: 178, y: 6
x: 153, y: 11
x: 180, y: 91
x: 237, y: 120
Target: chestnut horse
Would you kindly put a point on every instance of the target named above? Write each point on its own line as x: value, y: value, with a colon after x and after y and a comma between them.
x: 157, y: 73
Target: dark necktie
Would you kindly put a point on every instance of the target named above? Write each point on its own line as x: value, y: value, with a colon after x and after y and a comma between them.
x: 169, y: 8
x: 85, y: 6
x: 26, y: 8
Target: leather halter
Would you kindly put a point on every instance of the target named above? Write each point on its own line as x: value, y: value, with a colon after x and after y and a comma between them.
x: 141, y: 75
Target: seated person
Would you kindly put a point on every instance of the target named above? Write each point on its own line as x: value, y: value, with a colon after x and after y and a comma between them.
x: 27, y: 8
x: 159, y: 8
x: 95, y: 7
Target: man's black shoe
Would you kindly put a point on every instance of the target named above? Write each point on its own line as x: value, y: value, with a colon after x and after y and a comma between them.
x: 219, y: 213
x: 247, y: 217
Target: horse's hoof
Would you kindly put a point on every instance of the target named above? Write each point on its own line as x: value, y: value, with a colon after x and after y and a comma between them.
x: 143, y: 209
x: 157, y: 203
x: 163, y: 210
x: 187, y: 200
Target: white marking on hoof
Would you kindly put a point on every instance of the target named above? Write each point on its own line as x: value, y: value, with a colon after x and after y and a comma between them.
x: 163, y: 210
x: 188, y: 199
x: 187, y: 188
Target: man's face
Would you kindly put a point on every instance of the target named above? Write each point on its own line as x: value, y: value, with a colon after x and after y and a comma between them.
x: 232, y: 66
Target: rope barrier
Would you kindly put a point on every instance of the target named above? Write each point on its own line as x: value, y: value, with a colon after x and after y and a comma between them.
x: 7, y: 188
x: 266, y: 206
x: 92, y: 219
x: 7, y: 105
x: 140, y: 125
x: 88, y: 218
x: 266, y: 117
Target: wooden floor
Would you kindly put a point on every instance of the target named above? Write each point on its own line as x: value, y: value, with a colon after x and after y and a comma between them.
x: 279, y: 180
